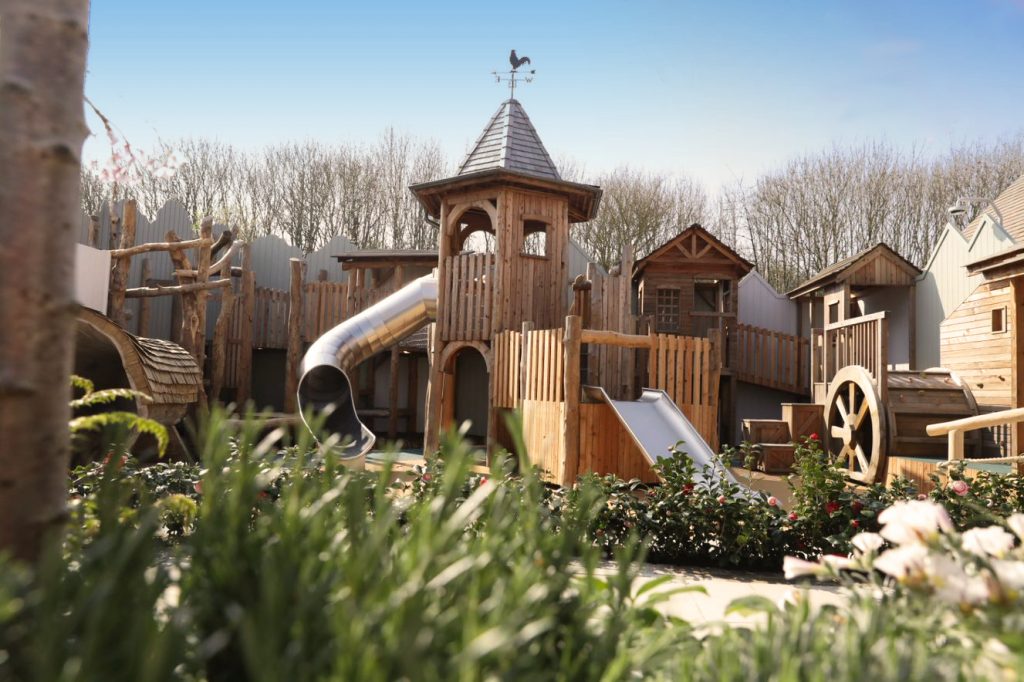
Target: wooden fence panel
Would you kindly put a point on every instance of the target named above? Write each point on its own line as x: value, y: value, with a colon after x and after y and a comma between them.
x: 544, y: 366
x: 688, y: 370
x: 467, y: 284
x: 770, y: 358
x: 505, y: 371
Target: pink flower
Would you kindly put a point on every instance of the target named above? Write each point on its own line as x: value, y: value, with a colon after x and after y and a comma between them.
x: 793, y: 516
x: 773, y: 501
x: 426, y: 478
x: 922, y: 497
x: 813, y: 436
x: 855, y: 523
x: 198, y: 487
x: 831, y: 507
x: 960, y: 487
x: 688, y: 488
x: 721, y: 499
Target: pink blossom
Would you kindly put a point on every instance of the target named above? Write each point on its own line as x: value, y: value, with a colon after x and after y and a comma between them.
x: 793, y: 516
x: 721, y: 499
x: 773, y: 501
x: 960, y: 487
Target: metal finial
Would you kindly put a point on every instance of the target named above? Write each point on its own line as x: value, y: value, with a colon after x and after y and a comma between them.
x: 512, y: 76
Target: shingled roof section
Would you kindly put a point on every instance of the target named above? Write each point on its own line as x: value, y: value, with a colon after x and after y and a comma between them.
x: 510, y: 142
x: 1007, y: 208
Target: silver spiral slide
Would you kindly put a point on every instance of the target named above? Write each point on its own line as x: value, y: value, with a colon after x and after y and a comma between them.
x: 324, y: 373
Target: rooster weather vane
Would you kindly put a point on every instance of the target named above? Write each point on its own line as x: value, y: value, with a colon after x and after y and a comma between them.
x: 512, y: 76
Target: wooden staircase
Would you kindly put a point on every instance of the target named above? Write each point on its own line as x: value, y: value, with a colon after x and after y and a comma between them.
x: 775, y: 439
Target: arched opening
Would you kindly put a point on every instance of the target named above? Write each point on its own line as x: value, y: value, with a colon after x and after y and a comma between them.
x: 535, y: 238
x: 474, y: 231
x: 467, y: 389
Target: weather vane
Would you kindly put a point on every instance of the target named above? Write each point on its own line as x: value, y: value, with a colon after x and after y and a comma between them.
x: 512, y: 76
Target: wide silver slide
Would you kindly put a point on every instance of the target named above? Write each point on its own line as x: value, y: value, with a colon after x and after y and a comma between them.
x: 328, y: 361
x: 657, y: 424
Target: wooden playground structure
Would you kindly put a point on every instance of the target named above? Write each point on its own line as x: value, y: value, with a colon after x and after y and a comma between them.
x: 522, y: 326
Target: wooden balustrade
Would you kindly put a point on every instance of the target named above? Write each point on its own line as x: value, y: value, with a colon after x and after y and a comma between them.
x: 860, y: 341
x: 956, y: 428
x: 770, y: 358
x: 467, y: 285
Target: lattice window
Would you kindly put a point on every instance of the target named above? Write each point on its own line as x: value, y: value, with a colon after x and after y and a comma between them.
x: 666, y: 312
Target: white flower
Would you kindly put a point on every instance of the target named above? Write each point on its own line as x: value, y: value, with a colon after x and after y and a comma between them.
x: 837, y: 562
x: 865, y: 543
x: 903, y: 563
x: 914, y: 521
x: 1015, y: 522
x: 1010, y: 574
x: 992, y: 541
x: 953, y: 585
x: 796, y: 568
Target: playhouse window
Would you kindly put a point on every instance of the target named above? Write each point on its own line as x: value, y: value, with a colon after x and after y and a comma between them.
x: 666, y: 313
x: 999, y: 320
x: 535, y: 238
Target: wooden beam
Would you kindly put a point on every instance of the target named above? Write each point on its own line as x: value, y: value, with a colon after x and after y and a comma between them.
x: 618, y: 339
x: 392, y: 393
x: 94, y: 231
x: 126, y: 251
x: 162, y: 290
x: 203, y: 276
x: 294, y: 356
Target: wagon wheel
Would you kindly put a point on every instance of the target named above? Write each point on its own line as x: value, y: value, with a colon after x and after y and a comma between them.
x: 855, y: 423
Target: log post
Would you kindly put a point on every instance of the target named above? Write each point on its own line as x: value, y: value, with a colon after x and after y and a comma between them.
x: 119, y: 271
x: 571, y: 415
x: 115, y: 229
x: 247, y: 292
x: 143, y: 326
x: 393, y: 394
x: 94, y: 231
x: 202, y: 276
x: 294, y: 358
x: 220, y: 343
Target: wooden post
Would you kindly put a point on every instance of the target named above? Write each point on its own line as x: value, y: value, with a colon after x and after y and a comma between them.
x: 524, y: 359
x: 414, y: 393
x: 220, y: 343
x: 294, y: 357
x: 393, y: 394
x: 202, y: 276
x: 119, y: 271
x: 115, y: 229
x: 432, y: 418
x: 94, y: 231
x: 247, y: 292
x: 571, y: 416
x: 142, y: 329
x: 912, y: 325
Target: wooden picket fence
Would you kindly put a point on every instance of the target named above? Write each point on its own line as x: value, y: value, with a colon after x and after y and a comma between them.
x: 688, y: 369
x: 507, y: 349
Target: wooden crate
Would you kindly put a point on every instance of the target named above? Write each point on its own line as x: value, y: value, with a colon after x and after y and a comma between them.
x: 804, y: 419
x: 776, y: 458
x: 766, y: 431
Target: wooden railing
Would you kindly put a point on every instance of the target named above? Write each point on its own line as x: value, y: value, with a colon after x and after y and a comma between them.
x: 861, y: 341
x: 467, y: 285
x: 770, y: 358
x: 956, y: 429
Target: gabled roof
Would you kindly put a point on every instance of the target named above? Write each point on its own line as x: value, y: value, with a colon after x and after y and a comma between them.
x: 510, y: 142
x: 1006, y: 209
x: 695, y: 243
x: 839, y: 270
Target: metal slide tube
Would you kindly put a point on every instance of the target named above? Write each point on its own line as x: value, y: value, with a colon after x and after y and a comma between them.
x: 326, y: 364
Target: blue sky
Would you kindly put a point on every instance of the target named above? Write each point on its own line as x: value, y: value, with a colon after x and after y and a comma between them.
x: 715, y: 90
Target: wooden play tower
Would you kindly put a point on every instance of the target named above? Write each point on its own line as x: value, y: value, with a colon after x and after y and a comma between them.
x: 509, y: 188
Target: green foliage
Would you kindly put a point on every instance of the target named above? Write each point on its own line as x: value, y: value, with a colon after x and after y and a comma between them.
x: 113, y: 422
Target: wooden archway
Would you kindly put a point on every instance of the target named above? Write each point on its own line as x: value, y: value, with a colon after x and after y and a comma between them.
x: 448, y: 375
x: 162, y: 370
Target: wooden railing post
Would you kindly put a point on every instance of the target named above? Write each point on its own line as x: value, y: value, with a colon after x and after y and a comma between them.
x: 119, y: 272
x: 202, y: 277
x: 220, y: 342
x: 294, y: 356
x: 142, y: 328
x: 247, y: 292
x: 571, y: 416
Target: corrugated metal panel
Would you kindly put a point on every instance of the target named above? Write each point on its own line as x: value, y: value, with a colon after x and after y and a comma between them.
x: 760, y: 305
x: 944, y: 284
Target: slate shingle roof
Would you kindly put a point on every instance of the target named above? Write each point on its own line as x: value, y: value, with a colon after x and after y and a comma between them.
x: 510, y: 142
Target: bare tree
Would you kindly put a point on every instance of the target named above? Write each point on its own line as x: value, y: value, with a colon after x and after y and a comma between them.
x: 43, y: 46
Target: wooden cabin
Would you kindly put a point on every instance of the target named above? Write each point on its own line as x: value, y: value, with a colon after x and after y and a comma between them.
x: 850, y: 299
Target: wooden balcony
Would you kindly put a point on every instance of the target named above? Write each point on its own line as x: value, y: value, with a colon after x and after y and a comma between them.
x: 860, y: 341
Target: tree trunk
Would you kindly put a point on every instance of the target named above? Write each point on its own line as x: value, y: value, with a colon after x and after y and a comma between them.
x: 43, y: 46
